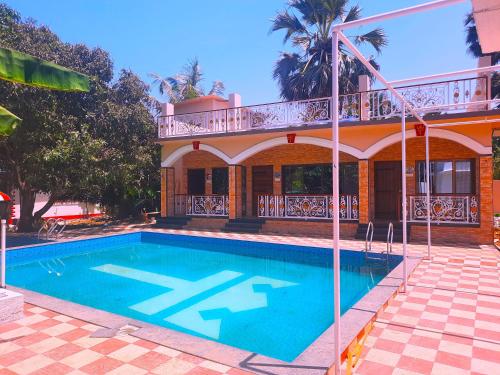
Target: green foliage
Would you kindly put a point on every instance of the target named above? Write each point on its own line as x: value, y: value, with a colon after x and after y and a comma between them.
x: 96, y: 146
x: 8, y: 122
x: 186, y: 85
x: 307, y: 24
x: 23, y: 68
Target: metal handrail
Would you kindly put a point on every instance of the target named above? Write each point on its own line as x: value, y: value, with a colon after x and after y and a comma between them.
x: 390, y: 236
x: 52, y: 226
x: 369, y: 233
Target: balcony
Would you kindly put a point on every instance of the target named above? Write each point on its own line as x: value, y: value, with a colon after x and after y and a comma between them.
x: 202, y: 205
x: 446, y: 97
x: 450, y: 209
x: 307, y: 206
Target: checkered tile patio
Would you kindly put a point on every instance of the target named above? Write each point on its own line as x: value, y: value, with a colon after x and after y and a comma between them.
x: 448, y: 322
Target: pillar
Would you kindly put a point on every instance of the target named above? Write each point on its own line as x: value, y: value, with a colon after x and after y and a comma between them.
x: 363, y: 191
x: 235, y: 191
x: 364, y: 105
x: 167, y: 192
x: 486, y: 198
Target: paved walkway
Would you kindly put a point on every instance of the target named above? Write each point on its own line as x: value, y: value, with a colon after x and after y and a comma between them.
x: 448, y: 322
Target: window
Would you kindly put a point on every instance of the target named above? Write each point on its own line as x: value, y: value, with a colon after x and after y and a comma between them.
x: 220, y: 181
x: 317, y: 179
x: 348, y: 178
x: 447, y: 177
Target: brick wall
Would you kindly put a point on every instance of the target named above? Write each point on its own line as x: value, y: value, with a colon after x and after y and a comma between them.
x: 310, y: 228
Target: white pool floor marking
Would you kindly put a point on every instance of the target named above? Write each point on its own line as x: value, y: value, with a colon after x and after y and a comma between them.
x: 181, y: 289
x: 241, y: 297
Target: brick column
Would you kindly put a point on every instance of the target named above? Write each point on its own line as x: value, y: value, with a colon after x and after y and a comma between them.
x: 167, y: 192
x: 235, y: 190
x: 486, y: 198
x: 363, y: 189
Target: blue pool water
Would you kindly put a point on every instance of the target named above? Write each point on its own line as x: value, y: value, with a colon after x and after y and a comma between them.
x: 270, y: 299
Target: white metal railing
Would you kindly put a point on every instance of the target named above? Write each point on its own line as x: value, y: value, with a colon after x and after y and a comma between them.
x: 206, y: 205
x: 460, y: 209
x: 307, y: 206
x: 454, y: 96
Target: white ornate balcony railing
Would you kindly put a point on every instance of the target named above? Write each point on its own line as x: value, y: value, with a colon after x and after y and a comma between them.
x: 454, y: 96
x: 202, y: 205
x: 307, y: 206
x: 461, y: 209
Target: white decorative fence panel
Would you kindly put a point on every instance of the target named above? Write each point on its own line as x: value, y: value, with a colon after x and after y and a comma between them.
x: 307, y: 206
x: 207, y: 205
x: 463, y: 209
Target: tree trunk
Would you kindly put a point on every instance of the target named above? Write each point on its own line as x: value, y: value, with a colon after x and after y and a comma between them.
x: 38, y: 215
x: 27, y: 202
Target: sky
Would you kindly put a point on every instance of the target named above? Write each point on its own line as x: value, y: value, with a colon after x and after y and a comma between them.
x: 231, y: 38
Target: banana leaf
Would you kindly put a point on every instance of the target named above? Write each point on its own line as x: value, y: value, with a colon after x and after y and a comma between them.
x: 8, y: 122
x: 22, y: 68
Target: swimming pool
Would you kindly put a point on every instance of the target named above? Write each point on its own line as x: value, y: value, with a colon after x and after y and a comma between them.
x: 270, y: 299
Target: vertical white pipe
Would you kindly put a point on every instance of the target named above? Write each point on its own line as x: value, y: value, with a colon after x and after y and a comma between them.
x: 428, y: 191
x: 403, y: 192
x: 3, y: 236
x: 336, y: 198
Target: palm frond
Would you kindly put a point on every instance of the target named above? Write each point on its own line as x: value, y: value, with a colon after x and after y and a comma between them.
x: 217, y: 88
x: 376, y: 38
x: 353, y: 14
x: 288, y: 22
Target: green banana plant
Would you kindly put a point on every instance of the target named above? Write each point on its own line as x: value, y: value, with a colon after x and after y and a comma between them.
x: 22, y: 68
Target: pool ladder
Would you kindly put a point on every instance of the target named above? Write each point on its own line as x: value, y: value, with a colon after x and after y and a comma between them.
x: 369, y: 240
x: 52, y: 227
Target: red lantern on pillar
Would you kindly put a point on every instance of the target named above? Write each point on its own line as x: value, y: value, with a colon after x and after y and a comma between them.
x: 196, y: 145
x: 291, y: 137
x: 420, y: 130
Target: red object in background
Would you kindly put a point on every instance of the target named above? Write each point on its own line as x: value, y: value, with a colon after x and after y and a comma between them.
x: 291, y: 137
x: 12, y: 213
x: 196, y: 145
x: 420, y: 129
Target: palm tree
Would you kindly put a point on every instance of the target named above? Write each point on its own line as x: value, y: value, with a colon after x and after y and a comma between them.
x: 474, y: 49
x: 187, y: 84
x: 307, y: 74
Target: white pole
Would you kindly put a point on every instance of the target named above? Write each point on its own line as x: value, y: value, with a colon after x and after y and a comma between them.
x: 403, y: 193
x: 3, y: 238
x: 428, y: 191
x: 396, y: 13
x: 336, y: 198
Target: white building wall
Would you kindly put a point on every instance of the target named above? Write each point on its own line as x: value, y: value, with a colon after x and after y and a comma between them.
x: 59, y: 209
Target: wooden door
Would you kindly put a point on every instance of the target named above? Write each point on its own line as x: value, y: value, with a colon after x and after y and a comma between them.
x: 387, y: 190
x: 262, y: 184
x: 196, y: 181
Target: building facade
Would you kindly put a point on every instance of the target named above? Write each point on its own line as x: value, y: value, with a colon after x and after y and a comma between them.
x: 226, y: 163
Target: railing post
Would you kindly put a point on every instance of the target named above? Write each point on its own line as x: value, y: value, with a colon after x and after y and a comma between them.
x: 167, y: 109
x: 364, y: 100
x: 485, y: 61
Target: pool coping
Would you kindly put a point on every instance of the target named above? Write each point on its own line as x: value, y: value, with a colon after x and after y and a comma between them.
x: 315, y: 359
